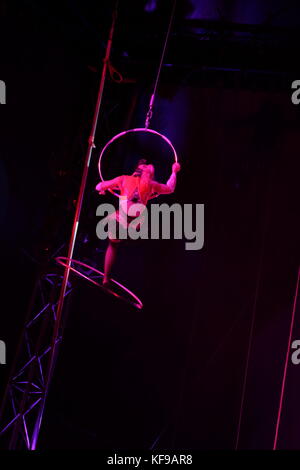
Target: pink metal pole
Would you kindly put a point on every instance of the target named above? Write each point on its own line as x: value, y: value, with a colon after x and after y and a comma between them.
x: 57, y: 326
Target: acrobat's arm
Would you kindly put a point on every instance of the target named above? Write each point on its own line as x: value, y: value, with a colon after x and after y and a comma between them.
x: 115, y: 183
x: 170, y: 186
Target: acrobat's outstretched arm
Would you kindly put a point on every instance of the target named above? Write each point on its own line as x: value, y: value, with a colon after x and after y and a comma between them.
x: 170, y: 186
x: 115, y: 183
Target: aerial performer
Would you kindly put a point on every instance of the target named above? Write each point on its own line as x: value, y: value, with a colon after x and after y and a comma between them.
x: 137, y: 188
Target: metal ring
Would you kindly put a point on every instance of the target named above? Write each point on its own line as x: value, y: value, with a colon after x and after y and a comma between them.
x: 121, y: 134
x: 136, y: 302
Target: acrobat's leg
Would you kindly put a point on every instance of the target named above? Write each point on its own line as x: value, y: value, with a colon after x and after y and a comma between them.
x: 110, y: 258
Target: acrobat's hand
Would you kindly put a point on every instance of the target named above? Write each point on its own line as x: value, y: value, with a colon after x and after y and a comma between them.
x: 176, y: 167
x: 99, y: 188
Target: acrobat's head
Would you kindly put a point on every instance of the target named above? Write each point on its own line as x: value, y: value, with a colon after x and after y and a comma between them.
x: 143, y: 168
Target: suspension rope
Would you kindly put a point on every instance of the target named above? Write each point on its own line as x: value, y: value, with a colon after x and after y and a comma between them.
x: 151, y: 103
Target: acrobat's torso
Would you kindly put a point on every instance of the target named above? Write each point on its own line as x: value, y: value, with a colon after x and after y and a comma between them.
x: 136, y: 190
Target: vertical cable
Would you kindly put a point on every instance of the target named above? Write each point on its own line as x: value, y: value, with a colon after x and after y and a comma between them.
x: 286, y: 363
x: 151, y: 104
x: 248, y: 352
x: 253, y: 318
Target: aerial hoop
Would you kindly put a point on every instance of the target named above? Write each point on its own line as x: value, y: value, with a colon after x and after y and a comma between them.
x: 132, y: 300
x: 121, y: 134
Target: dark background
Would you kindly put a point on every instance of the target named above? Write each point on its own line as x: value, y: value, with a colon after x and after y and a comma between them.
x: 169, y: 376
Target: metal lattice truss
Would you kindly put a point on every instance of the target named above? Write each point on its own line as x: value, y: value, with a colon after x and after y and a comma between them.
x: 25, y: 390
x: 24, y: 397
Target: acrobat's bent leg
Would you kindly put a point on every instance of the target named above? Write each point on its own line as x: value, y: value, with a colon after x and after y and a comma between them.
x: 110, y: 258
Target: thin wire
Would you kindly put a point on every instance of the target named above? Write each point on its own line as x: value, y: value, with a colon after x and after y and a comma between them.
x: 253, y: 318
x: 286, y: 363
x: 165, y: 46
x: 151, y: 103
x: 248, y: 353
